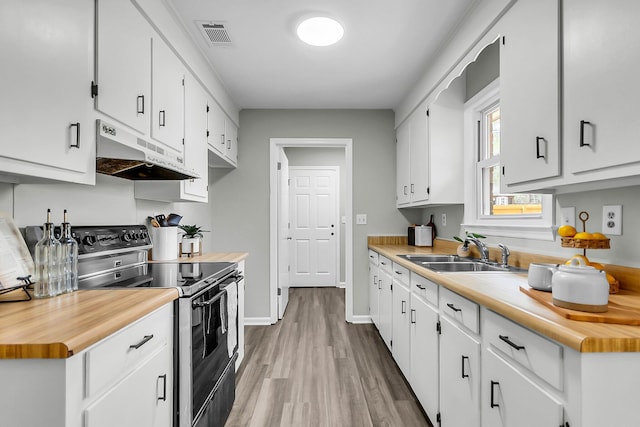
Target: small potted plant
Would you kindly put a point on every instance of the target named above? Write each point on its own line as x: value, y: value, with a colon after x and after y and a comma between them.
x: 463, y: 250
x: 191, y: 235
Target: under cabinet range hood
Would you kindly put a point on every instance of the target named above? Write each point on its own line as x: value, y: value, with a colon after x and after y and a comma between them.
x: 122, y: 154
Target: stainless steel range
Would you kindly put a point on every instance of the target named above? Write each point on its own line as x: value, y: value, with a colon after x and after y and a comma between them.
x: 206, y: 316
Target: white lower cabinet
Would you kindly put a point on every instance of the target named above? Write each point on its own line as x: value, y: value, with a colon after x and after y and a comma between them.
x: 125, y: 380
x: 424, y: 355
x: 459, y: 376
x: 374, y: 289
x: 401, y: 348
x: 386, y: 302
x: 510, y: 399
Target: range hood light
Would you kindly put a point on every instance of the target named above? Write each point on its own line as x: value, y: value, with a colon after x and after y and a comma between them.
x: 320, y: 31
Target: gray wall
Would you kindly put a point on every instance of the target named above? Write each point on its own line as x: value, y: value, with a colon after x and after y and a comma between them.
x: 484, y: 70
x: 245, y: 191
x: 314, y: 156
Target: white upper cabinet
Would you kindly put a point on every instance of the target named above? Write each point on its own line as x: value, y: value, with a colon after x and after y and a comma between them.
x: 195, y: 158
x: 412, y: 163
x: 403, y: 159
x: 529, y: 92
x: 601, y: 91
x: 46, y: 123
x: 123, y: 58
x: 222, y: 138
x: 215, y: 128
x: 167, y: 106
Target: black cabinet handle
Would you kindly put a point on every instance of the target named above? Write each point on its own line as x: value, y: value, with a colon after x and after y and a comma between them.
x: 77, y: 126
x: 162, y: 118
x: 379, y: 284
x: 538, y: 155
x: 421, y: 287
x: 412, y: 188
x: 140, y: 104
x: 405, y: 190
x: 413, y: 316
x: 511, y: 343
x: 453, y: 307
x: 403, y: 309
x: 144, y: 340
x: 582, y: 123
x: 164, y: 387
x: 464, y: 375
x: 493, y: 404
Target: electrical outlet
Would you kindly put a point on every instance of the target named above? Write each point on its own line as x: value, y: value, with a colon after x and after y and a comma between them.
x: 361, y: 219
x: 612, y: 220
x: 568, y: 216
x: 444, y: 219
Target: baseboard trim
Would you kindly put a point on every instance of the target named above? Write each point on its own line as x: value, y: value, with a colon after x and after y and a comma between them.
x: 361, y: 319
x: 257, y: 321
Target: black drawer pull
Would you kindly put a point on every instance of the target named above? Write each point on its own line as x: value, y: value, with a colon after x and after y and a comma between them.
x: 140, y: 104
x: 493, y: 384
x: 582, y: 123
x: 398, y: 272
x: 464, y: 375
x: 454, y: 308
x: 538, y: 155
x: 413, y: 316
x: 77, y: 126
x: 421, y: 287
x: 164, y: 387
x: 511, y: 343
x: 404, y: 307
x: 161, y: 121
x: 144, y: 340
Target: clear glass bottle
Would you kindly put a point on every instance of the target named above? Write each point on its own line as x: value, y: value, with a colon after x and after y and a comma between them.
x: 68, y: 258
x: 47, y: 262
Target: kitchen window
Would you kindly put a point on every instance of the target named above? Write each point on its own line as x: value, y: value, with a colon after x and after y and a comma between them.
x: 488, y: 210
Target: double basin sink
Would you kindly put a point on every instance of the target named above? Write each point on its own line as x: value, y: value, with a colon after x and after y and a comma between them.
x: 456, y: 264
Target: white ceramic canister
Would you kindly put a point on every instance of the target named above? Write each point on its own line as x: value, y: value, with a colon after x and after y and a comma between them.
x: 580, y: 287
x: 165, y: 243
x: 540, y: 276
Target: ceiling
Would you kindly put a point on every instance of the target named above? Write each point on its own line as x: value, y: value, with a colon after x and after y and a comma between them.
x: 386, y: 47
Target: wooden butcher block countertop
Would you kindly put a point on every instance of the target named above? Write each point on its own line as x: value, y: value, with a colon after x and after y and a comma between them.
x: 500, y: 293
x: 59, y: 327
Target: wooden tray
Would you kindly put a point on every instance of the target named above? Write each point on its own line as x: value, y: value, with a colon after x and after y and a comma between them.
x: 618, y: 313
x: 570, y: 242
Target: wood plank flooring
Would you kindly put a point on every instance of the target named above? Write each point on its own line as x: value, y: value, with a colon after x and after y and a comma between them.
x: 314, y: 369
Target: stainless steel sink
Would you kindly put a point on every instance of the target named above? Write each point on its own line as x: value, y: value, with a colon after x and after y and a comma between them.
x: 456, y: 264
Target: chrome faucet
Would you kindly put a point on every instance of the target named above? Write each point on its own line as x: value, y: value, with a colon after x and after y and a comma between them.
x: 484, y: 251
x: 505, y: 254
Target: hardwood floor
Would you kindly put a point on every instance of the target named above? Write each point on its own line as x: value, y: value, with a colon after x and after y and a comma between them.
x: 314, y: 369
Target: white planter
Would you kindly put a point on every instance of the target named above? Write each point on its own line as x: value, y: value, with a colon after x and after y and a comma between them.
x: 190, y: 245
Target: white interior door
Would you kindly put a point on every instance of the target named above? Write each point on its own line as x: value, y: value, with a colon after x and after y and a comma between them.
x: 284, y: 237
x: 314, y: 226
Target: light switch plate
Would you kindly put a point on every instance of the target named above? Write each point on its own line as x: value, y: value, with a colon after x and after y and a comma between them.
x: 568, y: 216
x: 361, y: 219
x: 612, y: 220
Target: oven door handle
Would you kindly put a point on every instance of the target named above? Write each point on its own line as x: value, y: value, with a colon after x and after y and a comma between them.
x: 207, y: 303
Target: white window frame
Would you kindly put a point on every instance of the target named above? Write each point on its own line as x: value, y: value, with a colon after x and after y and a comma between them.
x: 537, y: 226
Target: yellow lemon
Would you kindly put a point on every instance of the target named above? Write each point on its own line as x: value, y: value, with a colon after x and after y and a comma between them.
x: 611, y: 279
x: 598, y: 236
x: 566, y: 231
x: 584, y: 258
x: 583, y: 235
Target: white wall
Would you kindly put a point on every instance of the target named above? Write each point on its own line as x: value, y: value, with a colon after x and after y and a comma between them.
x: 244, y: 192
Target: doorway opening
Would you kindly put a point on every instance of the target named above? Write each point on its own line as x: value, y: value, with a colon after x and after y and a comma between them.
x: 279, y: 256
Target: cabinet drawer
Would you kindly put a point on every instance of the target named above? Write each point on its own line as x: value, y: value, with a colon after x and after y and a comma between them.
x: 463, y: 311
x: 528, y: 349
x: 117, y: 354
x: 401, y: 274
x: 385, y: 264
x: 424, y: 288
x: 373, y: 257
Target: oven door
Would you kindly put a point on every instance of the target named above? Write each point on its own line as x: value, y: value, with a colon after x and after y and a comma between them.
x: 209, y: 351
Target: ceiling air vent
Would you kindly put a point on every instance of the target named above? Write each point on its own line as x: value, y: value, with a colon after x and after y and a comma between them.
x: 215, y: 33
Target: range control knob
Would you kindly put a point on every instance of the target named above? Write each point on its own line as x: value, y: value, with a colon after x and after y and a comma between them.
x: 126, y: 237
x: 89, y: 240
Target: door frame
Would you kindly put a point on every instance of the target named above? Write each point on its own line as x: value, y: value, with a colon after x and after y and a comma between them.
x: 274, y: 145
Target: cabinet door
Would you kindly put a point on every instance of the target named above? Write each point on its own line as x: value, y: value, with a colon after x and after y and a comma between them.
x: 419, y: 154
x: 374, y: 287
x: 403, y: 159
x: 386, y: 307
x: 215, y: 125
x: 46, y: 122
x: 601, y: 41
x: 195, y: 140
x: 401, y: 348
x: 529, y: 92
x: 143, y: 399
x: 167, y: 116
x: 424, y: 355
x: 123, y: 58
x: 459, y: 377
x: 231, y: 141
x: 510, y: 399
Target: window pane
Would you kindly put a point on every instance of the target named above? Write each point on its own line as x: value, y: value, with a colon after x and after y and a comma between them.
x: 511, y: 204
x: 493, y: 132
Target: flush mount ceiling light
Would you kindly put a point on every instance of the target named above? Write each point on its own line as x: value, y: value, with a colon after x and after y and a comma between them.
x: 320, y: 31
